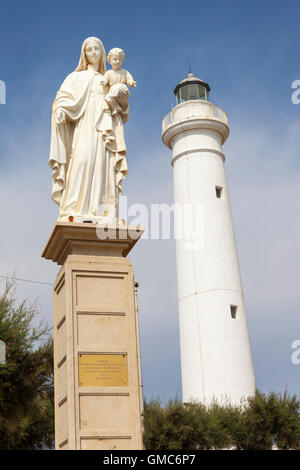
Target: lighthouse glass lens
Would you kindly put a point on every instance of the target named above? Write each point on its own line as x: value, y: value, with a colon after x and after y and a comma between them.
x: 202, y: 92
x: 193, y: 92
x: 183, y: 94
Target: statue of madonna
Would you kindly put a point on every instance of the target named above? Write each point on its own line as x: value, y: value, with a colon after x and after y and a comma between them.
x: 88, y: 151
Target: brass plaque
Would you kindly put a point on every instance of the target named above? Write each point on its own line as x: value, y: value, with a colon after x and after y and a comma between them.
x: 103, y: 370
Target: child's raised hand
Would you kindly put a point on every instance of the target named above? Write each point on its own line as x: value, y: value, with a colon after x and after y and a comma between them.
x: 131, y: 83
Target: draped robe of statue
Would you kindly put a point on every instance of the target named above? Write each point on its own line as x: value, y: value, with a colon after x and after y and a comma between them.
x: 88, y: 151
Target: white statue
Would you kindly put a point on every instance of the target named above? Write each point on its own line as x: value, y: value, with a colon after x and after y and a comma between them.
x: 88, y: 151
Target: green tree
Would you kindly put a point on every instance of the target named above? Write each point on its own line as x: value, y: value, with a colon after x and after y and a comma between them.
x: 258, y: 423
x: 181, y: 427
x: 269, y: 420
x: 26, y: 380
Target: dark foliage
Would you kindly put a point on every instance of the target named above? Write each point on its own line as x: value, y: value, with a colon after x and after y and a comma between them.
x: 261, y: 422
x: 26, y: 380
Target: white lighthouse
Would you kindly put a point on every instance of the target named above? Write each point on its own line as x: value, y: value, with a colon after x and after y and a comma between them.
x: 216, y: 359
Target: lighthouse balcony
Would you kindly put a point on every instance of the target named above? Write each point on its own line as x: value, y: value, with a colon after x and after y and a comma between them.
x: 194, y: 109
x: 194, y: 114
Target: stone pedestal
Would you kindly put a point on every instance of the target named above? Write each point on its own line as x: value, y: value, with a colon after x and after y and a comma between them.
x: 98, y: 399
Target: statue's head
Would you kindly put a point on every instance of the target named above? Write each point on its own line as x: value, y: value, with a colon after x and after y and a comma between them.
x: 92, y: 52
x: 116, y: 57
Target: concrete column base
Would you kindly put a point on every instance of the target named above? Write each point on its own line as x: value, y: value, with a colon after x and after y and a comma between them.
x: 97, y: 378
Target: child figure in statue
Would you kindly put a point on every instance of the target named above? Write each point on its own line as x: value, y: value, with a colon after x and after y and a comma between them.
x: 116, y: 58
x: 115, y: 76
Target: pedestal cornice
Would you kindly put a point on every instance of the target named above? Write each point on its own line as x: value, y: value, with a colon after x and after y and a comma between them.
x: 68, y: 238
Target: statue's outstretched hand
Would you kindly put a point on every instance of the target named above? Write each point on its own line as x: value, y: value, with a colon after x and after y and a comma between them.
x: 131, y: 83
x: 60, y: 116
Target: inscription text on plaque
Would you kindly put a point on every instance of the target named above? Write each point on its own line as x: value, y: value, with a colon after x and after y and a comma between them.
x: 103, y: 370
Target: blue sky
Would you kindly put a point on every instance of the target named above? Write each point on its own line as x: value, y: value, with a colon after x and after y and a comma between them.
x: 249, y: 54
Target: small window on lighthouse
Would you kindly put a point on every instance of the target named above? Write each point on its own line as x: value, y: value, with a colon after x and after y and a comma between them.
x: 233, y: 310
x: 219, y: 192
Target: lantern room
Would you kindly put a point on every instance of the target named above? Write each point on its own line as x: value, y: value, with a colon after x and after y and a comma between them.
x: 191, y: 88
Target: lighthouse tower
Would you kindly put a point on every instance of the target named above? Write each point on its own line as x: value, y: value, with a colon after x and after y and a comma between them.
x: 216, y: 359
